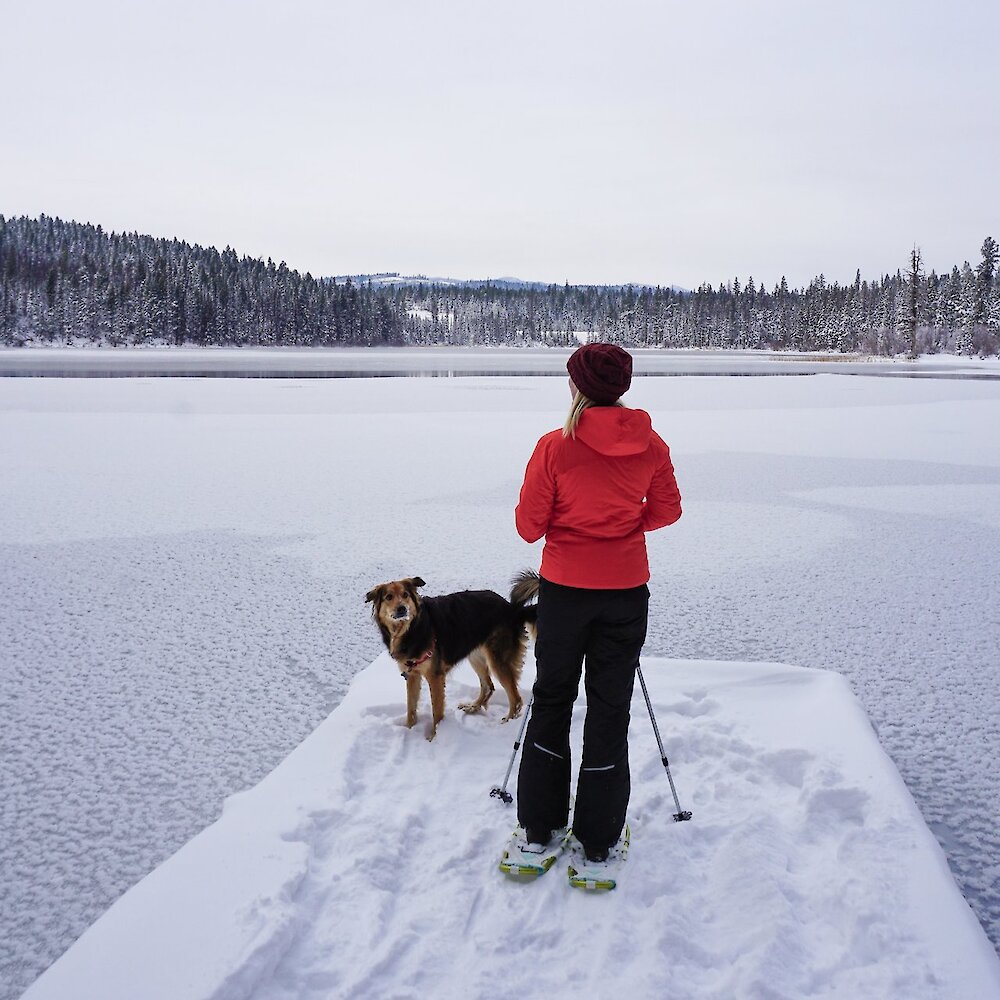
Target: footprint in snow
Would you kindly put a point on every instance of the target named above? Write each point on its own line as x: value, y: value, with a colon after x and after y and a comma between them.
x: 385, y: 712
x: 787, y: 766
x: 695, y: 704
x: 833, y: 807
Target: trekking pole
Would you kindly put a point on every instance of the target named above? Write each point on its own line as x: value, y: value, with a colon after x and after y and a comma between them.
x: 500, y: 791
x: 681, y: 814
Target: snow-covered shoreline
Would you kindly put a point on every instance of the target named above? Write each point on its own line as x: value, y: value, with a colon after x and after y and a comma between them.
x: 90, y: 361
x: 365, y: 865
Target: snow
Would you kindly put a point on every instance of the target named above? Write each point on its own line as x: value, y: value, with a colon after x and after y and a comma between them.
x: 183, y: 564
x: 364, y: 865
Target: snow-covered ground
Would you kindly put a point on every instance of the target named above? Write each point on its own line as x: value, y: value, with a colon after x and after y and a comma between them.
x: 183, y: 566
x: 364, y: 866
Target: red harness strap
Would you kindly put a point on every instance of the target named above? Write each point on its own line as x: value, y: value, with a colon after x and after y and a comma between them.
x: 411, y: 664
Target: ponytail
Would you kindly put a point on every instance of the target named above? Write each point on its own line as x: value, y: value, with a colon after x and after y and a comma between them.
x: 580, y: 403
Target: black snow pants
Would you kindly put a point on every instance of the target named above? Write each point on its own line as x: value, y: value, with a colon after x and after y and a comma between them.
x: 607, y: 628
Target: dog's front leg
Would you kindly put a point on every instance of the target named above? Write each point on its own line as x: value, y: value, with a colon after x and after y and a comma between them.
x: 412, y: 697
x: 435, y: 682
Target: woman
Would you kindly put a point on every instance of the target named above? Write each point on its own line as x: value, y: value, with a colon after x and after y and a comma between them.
x: 592, y: 489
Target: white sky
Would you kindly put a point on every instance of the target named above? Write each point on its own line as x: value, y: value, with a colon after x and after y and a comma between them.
x: 578, y: 141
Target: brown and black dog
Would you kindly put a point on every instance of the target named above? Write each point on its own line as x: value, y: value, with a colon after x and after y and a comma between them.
x: 427, y: 636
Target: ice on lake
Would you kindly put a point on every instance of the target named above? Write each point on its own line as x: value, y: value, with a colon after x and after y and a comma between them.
x: 184, y: 564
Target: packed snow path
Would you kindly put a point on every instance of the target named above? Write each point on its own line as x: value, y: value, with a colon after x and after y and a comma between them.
x: 365, y: 866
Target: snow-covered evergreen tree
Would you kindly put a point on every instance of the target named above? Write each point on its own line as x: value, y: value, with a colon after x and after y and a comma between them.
x: 66, y: 282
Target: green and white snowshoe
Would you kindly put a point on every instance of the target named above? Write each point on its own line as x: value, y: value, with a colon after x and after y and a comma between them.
x: 598, y: 876
x: 524, y: 861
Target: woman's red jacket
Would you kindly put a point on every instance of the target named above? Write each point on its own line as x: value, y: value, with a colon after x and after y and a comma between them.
x: 594, y: 498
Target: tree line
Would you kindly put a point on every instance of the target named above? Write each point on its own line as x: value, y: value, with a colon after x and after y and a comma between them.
x: 907, y: 312
x: 65, y: 282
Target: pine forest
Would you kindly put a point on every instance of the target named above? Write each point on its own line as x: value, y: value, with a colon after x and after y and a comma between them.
x: 71, y: 283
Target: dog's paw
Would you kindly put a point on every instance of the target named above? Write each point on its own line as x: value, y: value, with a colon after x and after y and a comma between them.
x: 471, y: 707
x: 513, y: 713
x: 411, y: 720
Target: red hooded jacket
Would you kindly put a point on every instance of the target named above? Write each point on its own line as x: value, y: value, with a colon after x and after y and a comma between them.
x: 595, y: 496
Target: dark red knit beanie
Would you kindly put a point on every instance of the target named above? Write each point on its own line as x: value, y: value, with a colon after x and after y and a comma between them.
x: 602, y: 372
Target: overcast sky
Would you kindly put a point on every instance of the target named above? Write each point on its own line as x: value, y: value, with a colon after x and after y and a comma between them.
x: 605, y: 142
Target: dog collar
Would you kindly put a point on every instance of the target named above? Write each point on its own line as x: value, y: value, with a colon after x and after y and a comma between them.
x: 411, y: 664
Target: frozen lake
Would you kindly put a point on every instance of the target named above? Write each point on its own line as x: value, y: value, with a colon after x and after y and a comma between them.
x: 184, y: 563
x: 408, y: 362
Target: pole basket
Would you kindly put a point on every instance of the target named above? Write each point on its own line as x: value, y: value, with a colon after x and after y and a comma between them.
x: 500, y: 791
x: 682, y: 814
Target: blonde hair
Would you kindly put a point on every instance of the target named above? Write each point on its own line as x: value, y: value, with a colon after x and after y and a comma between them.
x: 580, y: 403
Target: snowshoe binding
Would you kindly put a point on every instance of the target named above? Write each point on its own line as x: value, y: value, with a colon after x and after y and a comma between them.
x: 598, y: 876
x: 525, y: 861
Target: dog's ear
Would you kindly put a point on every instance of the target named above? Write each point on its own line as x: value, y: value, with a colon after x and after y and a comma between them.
x: 417, y: 581
x: 375, y: 594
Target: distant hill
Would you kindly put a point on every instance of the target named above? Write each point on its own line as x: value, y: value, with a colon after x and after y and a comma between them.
x: 394, y: 278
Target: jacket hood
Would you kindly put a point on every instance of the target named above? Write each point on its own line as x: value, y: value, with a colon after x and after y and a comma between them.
x: 615, y: 430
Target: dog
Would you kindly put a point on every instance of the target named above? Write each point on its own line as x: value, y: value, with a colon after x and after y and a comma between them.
x: 428, y: 636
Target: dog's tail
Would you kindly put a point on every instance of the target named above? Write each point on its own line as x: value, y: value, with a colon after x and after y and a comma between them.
x: 524, y: 588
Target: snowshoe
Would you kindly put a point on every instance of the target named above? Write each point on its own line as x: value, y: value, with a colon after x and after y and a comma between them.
x: 524, y: 861
x: 599, y: 876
